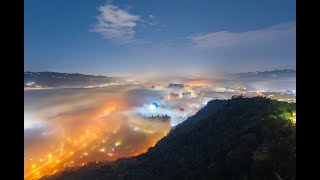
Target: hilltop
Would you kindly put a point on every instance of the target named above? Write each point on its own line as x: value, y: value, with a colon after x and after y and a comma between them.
x: 241, y: 138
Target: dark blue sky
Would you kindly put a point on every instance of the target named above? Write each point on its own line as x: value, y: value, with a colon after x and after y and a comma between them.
x: 164, y: 36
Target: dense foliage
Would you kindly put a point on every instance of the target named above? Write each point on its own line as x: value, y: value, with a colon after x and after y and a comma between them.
x: 243, y: 139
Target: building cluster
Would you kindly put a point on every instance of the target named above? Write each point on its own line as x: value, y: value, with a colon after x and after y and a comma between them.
x: 163, y: 118
x: 186, y: 95
x: 174, y: 85
x: 174, y: 96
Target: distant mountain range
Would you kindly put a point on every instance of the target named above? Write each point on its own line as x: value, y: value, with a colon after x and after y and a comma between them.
x: 241, y: 138
x: 275, y: 74
x: 55, y: 79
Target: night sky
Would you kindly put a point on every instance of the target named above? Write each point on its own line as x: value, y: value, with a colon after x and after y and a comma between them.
x: 159, y: 36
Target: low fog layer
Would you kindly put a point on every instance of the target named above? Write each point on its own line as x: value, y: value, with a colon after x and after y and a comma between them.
x: 71, y: 127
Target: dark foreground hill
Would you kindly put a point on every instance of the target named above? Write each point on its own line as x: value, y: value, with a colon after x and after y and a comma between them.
x: 244, y: 138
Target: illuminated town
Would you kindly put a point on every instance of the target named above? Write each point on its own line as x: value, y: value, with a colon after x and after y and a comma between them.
x: 116, y: 122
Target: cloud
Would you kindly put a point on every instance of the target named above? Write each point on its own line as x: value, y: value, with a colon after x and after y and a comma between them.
x: 151, y: 20
x: 226, y: 38
x: 116, y: 24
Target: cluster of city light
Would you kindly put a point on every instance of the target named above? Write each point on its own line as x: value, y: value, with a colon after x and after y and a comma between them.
x: 30, y: 83
x: 62, y: 157
x: 92, y: 145
x: 197, y: 83
x: 113, y: 84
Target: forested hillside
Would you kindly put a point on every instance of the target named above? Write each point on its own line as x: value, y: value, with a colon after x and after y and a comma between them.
x: 240, y: 139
